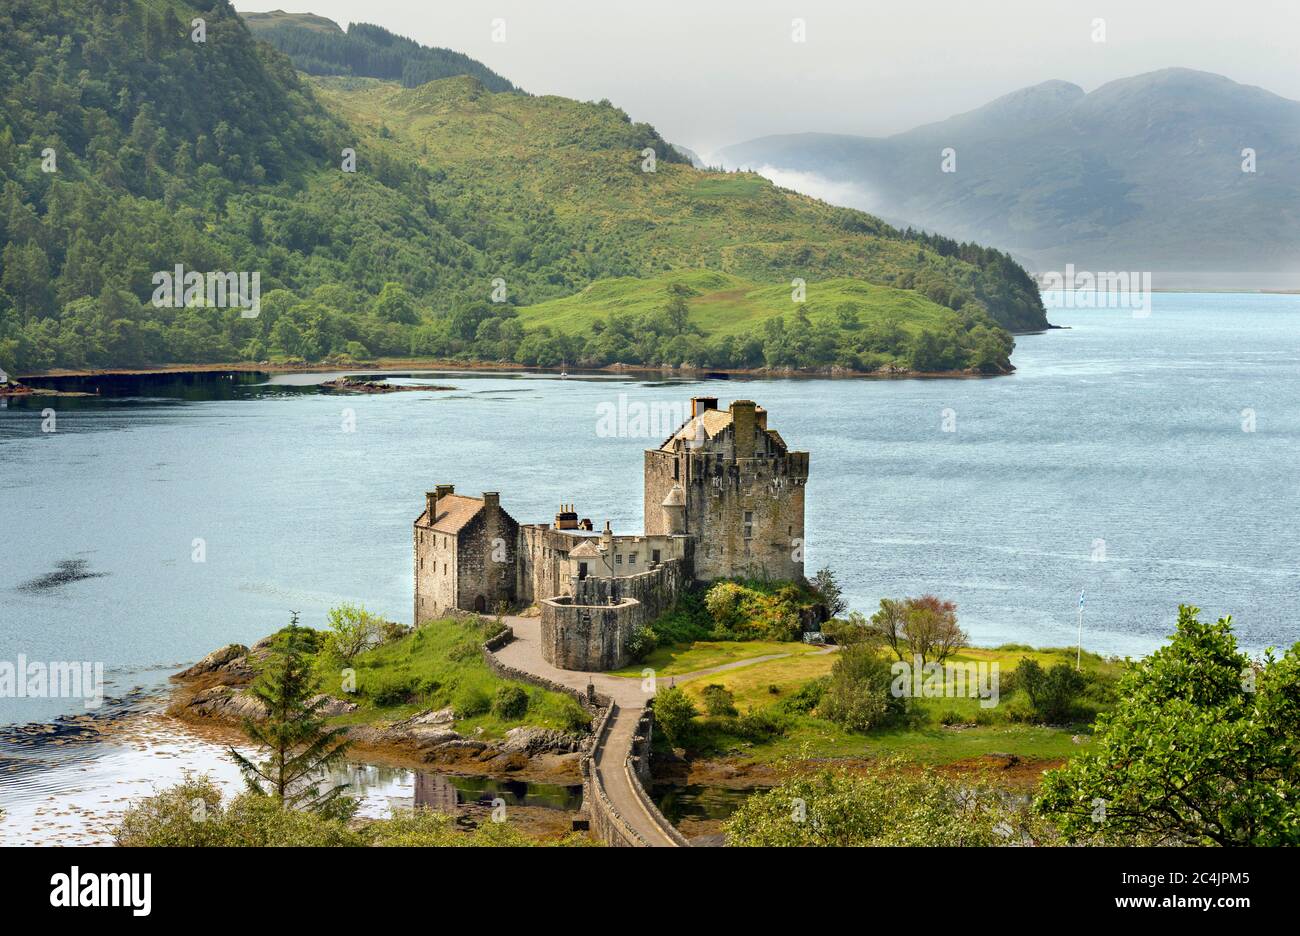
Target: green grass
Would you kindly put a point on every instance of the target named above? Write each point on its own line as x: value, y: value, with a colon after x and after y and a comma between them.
x: 441, y: 664
x: 703, y: 654
x: 567, y: 176
x: 809, y: 737
x: 923, y: 738
x: 725, y: 304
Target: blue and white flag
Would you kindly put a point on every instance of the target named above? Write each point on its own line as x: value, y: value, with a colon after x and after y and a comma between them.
x: 1080, y: 599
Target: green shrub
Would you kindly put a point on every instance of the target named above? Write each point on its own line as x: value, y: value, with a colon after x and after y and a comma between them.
x: 353, y: 630
x: 575, y: 718
x: 858, y: 696
x: 686, y: 621
x: 1052, y: 692
x: 674, y: 714
x: 806, y: 698
x: 391, y: 630
x: 756, y: 612
x: 465, y: 650
x: 470, y: 701
x: 761, y: 725
x: 641, y: 643
x: 510, y: 702
x: 393, y: 690
x: 846, y: 632
x: 724, y: 601
x: 718, y: 700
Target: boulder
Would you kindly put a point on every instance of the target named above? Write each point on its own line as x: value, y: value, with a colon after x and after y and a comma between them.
x: 230, y: 657
x: 332, y: 706
x: 531, y: 741
x: 226, y: 703
x: 429, y: 719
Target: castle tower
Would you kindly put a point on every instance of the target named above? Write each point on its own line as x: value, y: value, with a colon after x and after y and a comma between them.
x: 674, y: 508
x: 743, y: 491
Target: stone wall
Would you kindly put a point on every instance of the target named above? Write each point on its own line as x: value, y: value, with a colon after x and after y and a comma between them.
x: 747, y: 515
x: 543, y: 562
x: 661, y: 473
x: 435, y: 590
x: 593, y: 702
x: 486, y: 554
x: 656, y: 589
x: 588, y: 637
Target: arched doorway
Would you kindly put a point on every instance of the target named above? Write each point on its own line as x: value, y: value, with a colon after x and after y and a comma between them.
x: 480, y: 604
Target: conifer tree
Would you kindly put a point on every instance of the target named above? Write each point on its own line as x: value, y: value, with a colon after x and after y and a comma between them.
x: 298, y: 746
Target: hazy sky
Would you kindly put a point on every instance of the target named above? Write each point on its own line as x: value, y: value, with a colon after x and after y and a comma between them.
x: 711, y: 72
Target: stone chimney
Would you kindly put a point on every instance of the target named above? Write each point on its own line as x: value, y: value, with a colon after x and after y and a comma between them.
x: 744, y: 421
x: 492, y: 500
x: 431, y: 499
x: 701, y: 403
x: 566, y: 518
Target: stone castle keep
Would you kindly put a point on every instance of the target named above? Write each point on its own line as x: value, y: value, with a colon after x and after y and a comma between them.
x: 724, y: 498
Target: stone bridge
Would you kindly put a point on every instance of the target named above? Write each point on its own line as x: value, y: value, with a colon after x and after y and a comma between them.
x: 616, y: 769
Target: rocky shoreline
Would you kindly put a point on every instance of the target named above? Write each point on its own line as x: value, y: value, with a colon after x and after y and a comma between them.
x: 405, y: 365
x: 15, y: 389
x: 215, y: 691
x: 357, y: 385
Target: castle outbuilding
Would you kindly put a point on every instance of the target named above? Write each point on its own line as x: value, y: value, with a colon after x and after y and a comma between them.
x: 724, y: 498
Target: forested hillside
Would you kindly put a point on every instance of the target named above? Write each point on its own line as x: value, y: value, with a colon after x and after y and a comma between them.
x: 319, y: 47
x: 219, y: 156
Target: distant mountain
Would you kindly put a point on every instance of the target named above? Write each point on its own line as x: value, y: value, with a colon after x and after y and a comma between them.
x: 691, y: 156
x: 1144, y: 173
x: 319, y: 46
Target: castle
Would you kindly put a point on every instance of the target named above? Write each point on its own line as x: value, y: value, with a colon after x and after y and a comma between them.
x: 724, y: 498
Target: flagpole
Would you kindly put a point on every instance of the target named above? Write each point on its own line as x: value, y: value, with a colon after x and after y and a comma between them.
x: 1078, y: 652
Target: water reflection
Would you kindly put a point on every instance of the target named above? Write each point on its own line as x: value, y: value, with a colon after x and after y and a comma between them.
x: 400, y: 789
x: 696, y: 802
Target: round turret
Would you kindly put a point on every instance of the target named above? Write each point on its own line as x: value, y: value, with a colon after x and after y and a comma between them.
x: 674, y: 508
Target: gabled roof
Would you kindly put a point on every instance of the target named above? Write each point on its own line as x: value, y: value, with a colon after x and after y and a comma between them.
x: 709, y: 425
x: 701, y: 428
x: 454, y: 512
x: 587, y: 549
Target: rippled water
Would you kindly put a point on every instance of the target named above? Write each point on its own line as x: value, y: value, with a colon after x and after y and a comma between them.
x: 1113, y: 460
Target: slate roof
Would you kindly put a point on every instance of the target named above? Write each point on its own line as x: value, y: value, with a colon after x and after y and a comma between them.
x: 454, y: 512
x: 709, y: 425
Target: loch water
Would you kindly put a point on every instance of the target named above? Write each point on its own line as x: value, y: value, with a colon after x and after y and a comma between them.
x: 1145, y: 460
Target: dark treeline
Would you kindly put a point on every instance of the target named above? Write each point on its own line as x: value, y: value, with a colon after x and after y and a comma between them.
x: 372, y: 52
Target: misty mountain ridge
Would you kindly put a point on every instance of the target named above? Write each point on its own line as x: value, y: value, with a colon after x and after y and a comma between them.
x: 1142, y: 173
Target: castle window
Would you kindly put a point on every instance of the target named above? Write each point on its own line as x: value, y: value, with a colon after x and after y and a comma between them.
x: 654, y: 556
x: 749, y: 524
x: 631, y: 559
x: 677, y: 468
x: 618, y: 559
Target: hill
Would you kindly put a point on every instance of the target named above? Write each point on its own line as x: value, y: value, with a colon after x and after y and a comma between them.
x: 219, y: 156
x: 319, y: 46
x: 843, y: 323
x: 1144, y: 173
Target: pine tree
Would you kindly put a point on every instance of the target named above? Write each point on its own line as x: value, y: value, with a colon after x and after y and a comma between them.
x: 299, y: 746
